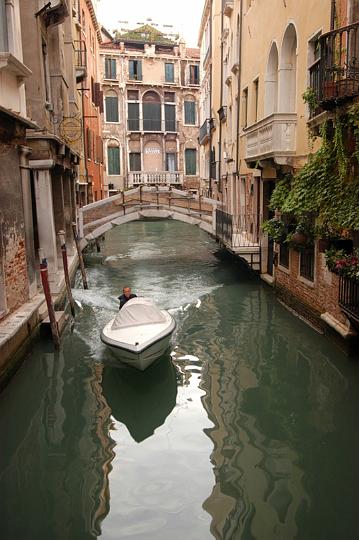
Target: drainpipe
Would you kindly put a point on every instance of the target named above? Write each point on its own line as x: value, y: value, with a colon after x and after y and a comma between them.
x: 239, y: 87
x: 210, y: 98
x: 221, y: 104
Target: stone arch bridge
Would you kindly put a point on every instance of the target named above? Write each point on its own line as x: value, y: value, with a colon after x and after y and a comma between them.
x: 143, y: 202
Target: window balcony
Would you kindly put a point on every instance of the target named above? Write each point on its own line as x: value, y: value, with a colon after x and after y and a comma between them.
x: 205, y: 130
x: 80, y: 60
x: 228, y: 7
x: 155, y: 179
x: 274, y: 138
x: 335, y: 77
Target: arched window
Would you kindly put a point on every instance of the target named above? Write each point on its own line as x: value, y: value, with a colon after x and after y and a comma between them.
x: 152, y: 118
x: 288, y: 71
x: 111, y: 107
x: 271, y: 83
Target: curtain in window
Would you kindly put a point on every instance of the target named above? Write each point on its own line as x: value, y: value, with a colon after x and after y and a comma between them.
x: 135, y: 161
x: 169, y: 72
x: 112, y: 109
x: 191, y: 161
x: 170, y: 118
x: 171, y: 162
x: 133, y: 116
x: 190, y: 112
x: 110, y: 68
x: 113, y: 159
x: 152, y: 116
x: 194, y: 74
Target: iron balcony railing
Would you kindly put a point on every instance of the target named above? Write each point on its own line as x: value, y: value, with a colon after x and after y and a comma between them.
x: 238, y: 231
x: 205, y: 130
x: 80, y: 59
x: 335, y: 76
x: 349, y: 297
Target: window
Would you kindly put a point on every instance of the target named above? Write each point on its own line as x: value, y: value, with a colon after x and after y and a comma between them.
x: 191, y: 161
x: 110, y: 68
x: 88, y: 143
x: 45, y: 64
x: 3, y: 27
x: 170, y: 97
x: 170, y: 117
x: 133, y: 113
x: 284, y: 255
x: 169, y: 72
x: 135, y: 70
x: 255, y: 104
x: 112, y: 109
x: 171, y: 162
x: 190, y: 113
x: 113, y: 160
x: 93, y: 92
x: 135, y: 161
x: 151, y: 112
x: 132, y: 95
x: 307, y: 263
x: 245, y: 108
x: 193, y: 74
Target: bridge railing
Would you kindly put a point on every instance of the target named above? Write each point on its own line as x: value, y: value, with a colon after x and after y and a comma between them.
x: 154, y: 178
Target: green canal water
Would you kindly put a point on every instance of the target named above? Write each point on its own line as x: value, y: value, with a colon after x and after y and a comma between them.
x: 247, y: 430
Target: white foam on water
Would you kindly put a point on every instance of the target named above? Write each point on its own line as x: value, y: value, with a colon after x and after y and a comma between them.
x: 190, y: 357
x: 198, y: 304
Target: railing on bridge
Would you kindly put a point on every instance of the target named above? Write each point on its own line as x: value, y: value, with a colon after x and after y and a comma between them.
x: 155, y: 179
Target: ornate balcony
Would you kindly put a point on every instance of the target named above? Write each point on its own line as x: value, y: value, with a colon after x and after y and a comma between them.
x: 274, y: 138
x: 335, y: 77
x: 155, y: 179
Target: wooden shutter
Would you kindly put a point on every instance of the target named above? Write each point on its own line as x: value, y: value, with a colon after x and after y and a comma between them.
x: 112, y: 109
x: 169, y: 72
x: 170, y: 117
x: 189, y: 112
x: 113, y: 155
x: 139, y: 70
x: 191, y: 165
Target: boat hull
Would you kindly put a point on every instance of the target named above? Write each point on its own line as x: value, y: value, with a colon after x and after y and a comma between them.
x: 142, y: 359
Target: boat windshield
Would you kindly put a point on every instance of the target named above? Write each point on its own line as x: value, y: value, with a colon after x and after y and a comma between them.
x: 138, y: 312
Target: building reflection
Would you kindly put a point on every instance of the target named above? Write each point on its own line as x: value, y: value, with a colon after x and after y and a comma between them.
x: 259, y: 486
x: 54, y: 468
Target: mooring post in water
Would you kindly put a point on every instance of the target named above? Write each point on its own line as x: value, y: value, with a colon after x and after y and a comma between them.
x: 66, y: 272
x: 50, y: 306
x: 79, y: 253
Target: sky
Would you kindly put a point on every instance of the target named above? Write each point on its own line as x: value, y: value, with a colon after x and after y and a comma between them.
x: 184, y: 15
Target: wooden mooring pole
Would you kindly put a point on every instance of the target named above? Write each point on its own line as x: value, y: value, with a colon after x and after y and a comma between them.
x: 66, y: 272
x: 50, y: 306
x: 81, y: 260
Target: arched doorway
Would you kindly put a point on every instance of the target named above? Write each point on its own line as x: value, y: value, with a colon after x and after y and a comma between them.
x: 288, y: 71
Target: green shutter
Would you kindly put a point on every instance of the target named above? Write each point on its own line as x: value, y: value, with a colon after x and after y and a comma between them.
x: 112, y: 109
x: 139, y: 70
x: 191, y: 158
x: 170, y: 117
x: 169, y: 72
x: 190, y: 113
x: 113, y: 158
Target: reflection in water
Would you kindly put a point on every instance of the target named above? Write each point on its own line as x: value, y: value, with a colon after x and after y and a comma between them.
x: 141, y: 400
x: 249, y: 432
x: 57, y: 455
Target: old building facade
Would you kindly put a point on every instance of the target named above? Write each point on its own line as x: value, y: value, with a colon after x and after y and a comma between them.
x: 254, y: 133
x: 150, y: 126
x: 17, y: 258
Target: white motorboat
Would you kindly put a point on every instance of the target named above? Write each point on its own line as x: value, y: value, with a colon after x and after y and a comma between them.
x: 140, y: 333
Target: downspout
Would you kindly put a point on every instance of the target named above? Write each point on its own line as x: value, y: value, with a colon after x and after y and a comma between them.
x: 239, y: 87
x: 210, y: 98
x: 221, y: 104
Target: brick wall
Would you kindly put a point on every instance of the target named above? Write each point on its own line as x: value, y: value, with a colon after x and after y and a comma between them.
x: 309, y: 300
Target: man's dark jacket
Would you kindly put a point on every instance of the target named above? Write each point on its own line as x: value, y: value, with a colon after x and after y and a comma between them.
x: 123, y: 299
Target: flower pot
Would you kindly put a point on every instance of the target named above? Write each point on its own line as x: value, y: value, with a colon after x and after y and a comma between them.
x: 299, y: 238
x: 329, y: 90
x: 323, y: 245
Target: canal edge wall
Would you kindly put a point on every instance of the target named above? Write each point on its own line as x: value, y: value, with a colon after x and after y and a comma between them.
x: 19, y: 328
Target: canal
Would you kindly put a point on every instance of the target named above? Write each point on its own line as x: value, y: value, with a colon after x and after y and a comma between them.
x: 249, y: 430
